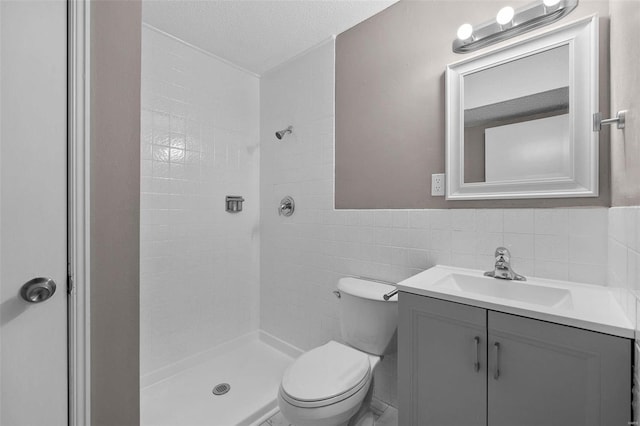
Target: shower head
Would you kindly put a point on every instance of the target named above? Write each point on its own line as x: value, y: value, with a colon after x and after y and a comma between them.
x: 281, y: 133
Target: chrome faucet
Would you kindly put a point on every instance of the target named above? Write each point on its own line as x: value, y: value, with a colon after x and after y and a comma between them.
x: 502, y: 268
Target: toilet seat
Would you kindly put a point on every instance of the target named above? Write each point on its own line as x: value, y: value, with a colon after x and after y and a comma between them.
x: 325, y: 375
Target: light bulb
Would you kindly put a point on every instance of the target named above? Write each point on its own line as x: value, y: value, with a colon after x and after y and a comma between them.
x: 505, y: 15
x: 550, y: 3
x: 465, y: 31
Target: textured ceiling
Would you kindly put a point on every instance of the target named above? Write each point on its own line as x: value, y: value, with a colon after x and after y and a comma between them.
x: 257, y: 34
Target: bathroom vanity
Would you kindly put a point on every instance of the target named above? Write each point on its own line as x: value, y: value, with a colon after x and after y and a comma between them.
x: 475, y: 350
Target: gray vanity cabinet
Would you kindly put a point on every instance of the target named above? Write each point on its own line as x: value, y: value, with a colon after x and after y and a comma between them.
x: 542, y: 373
x: 530, y: 372
x: 442, y: 368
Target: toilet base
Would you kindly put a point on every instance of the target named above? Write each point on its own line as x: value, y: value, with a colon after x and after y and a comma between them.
x: 364, y: 416
x: 366, y: 420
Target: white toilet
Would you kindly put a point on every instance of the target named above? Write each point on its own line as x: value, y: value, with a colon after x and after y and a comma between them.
x: 331, y: 385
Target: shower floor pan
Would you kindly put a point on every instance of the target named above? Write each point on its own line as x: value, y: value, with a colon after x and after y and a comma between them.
x: 252, y: 365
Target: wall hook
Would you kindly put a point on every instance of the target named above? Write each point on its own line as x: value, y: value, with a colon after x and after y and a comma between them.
x: 620, y: 119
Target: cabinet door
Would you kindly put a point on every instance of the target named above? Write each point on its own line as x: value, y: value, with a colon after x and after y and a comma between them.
x: 442, y: 363
x: 546, y: 374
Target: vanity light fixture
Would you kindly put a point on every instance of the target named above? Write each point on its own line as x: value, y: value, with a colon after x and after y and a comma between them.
x: 550, y: 4
x: 504, y: 18
x: 510, y: 22
x: 465, y: 31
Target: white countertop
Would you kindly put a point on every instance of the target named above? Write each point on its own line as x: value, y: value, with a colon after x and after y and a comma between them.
x: 590, y: 307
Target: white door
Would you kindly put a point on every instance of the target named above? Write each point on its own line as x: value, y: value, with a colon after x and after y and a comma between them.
x: 33, y: 211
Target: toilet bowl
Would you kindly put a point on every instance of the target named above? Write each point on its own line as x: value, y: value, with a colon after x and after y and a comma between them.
x: 331, y: 385
x: 326, y: 386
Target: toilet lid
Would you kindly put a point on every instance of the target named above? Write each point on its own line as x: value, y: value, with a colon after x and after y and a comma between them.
x: 325, y: 372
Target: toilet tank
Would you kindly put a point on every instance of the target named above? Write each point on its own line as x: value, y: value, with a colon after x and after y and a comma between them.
x: 367, y: 321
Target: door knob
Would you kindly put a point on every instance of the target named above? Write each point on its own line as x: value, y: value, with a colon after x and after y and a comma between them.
x: 38, y: 290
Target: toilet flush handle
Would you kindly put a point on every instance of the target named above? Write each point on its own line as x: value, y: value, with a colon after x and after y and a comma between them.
x: 390, y: 294
x: 337, y: 293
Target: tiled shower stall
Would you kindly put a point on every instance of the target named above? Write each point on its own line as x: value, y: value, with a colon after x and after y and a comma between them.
x: 200, y: 142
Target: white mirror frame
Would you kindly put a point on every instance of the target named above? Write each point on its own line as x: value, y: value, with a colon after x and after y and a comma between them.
x: 582, y: 39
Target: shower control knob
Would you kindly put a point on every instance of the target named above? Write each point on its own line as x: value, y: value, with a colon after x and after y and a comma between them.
x: 287, y: 206
x: 38, y: 290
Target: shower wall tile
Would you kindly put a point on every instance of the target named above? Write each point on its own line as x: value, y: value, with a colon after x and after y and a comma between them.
x: 303, y: 256
x: 199, y: 265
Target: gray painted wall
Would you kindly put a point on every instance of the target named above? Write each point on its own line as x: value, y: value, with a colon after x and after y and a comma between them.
x: 390, y: 98
x: 115, y: 212
x: 625, y: 87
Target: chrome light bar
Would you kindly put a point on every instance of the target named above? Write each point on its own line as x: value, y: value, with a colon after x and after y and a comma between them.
x: 524, y: 19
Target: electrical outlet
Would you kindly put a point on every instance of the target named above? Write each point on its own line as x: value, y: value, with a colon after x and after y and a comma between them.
x: 437, y: 184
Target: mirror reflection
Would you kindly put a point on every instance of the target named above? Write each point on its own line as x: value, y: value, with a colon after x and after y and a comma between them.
x: 516, y: 117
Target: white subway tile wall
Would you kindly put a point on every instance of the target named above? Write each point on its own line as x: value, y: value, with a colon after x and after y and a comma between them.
x: 624, y: 271
x: 303, y: 256
x: 199, y: 265
x: 624, y: 255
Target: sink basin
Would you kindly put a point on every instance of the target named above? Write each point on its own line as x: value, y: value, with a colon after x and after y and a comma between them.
x: 587, y: 306
x: 516, y: 291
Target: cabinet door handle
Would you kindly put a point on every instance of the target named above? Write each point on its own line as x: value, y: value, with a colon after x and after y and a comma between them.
x: 476, y: 353
x: 496, y: 360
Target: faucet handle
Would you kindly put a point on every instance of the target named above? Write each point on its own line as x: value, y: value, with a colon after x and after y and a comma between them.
x: 502, y: 254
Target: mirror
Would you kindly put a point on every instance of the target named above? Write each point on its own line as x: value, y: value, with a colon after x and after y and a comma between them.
x: 519, y: 119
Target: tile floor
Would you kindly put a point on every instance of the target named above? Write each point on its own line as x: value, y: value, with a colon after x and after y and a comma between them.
x: 384, y: 414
